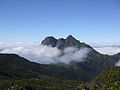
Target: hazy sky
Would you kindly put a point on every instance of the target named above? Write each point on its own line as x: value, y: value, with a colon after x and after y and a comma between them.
x: 87, y: 20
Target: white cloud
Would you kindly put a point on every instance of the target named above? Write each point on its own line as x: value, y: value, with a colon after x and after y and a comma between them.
x: 106, y: 48
x: 45, y: 54
x: 74, y: 54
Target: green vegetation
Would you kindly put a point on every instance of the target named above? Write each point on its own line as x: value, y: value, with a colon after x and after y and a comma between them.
x: 108, y: 80
x: 39, y: 84
x: 17, y: 73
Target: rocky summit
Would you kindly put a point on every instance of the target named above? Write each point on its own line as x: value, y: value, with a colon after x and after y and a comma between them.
x: 49, y: 41
x: 62, y: 43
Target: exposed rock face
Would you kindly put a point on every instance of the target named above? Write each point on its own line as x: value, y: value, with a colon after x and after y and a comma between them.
x: 71, y: 41
x: 50, y: 41
x: 61, y: 43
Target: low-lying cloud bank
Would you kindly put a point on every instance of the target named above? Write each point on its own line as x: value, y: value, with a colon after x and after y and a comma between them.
x: 45, y: 54
x: 106, y: 48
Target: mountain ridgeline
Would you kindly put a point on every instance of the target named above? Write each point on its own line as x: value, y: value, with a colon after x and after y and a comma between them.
x: 63, y: 43
x: 14, y: 66
x: 93, y: 64
x: 19, y: 73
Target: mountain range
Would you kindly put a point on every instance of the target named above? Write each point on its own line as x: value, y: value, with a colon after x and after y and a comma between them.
x: 93, y: 64
x: 62, y: 43
x: 13, y: 66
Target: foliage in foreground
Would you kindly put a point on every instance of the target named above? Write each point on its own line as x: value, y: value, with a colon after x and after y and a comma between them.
x: 108, y: 80
x: 40, y: 84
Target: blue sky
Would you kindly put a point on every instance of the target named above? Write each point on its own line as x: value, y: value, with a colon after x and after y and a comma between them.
x: 87, y: 20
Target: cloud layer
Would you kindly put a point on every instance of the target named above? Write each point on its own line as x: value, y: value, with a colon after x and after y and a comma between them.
x: 106, y: 48
x: 45, y: 54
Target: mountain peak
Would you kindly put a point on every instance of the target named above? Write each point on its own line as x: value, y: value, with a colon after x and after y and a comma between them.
x: 70, y: 37
x: 50, y: 37
x: 62, y: 43
x: 50, y: 40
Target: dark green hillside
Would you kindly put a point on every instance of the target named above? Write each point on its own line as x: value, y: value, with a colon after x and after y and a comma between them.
x: 108, y: 80
x: 17, y: 72
x: 14, y: 66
